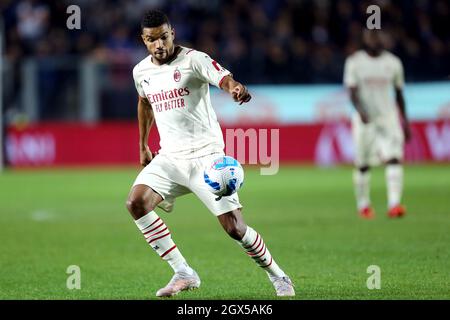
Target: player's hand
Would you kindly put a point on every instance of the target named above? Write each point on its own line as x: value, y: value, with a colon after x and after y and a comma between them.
x: 407, y: 132
x: 240, y: 94
x: 146, y: 156
x: 364, y: 117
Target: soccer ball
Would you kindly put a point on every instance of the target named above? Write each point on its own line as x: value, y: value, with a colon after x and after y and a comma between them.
x: 224, y: 176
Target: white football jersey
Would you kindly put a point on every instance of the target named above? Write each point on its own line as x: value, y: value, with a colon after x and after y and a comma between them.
x: 178, y: 92
x: 375, y: 78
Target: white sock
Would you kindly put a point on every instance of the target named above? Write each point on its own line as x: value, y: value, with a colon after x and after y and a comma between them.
x: 255, y: 247
x: 158, y: 237
x: 361, y: 183
x: 394, y: 182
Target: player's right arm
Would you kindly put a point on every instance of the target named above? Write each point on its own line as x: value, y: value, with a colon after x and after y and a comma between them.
x: 146, y: 119
x: 351, y: 83
x: 357, y: 104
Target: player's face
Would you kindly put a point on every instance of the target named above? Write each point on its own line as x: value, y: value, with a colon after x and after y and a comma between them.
x: 372, y: 40
x: 159, y: 42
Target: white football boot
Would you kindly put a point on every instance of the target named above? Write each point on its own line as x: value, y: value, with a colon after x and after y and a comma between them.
x: 180, y: 281
x: 283, y: 286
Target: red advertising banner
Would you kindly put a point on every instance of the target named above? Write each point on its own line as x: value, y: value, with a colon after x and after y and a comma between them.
x: 116, y: 143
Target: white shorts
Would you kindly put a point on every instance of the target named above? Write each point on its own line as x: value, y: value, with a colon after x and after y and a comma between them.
x: 377, y: 141
x: 173, y: 177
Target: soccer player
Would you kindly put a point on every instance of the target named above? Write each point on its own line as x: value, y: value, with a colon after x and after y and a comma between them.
x: 173, y: 87
x: 379, y: 126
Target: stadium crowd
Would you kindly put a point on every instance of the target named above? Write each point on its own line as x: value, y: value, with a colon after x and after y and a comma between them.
x: 261, y: 41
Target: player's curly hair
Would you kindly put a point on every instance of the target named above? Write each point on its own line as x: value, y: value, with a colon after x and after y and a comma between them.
x: 153, y: 19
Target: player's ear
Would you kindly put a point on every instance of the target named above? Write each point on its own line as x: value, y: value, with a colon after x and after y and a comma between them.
x: 173, y: 32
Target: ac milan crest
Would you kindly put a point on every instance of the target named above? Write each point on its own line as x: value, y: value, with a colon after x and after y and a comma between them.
x: 177, y: 75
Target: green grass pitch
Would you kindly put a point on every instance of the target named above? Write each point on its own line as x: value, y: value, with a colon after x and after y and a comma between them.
x: 51, y: 219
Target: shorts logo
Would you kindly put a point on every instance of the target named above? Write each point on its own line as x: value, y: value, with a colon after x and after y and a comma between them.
x: 177, y: 75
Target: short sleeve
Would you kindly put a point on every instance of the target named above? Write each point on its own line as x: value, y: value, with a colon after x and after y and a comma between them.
x: 138, y: 85
x: 399, y: 76
x: 207, y: 69
x: 349, y: 73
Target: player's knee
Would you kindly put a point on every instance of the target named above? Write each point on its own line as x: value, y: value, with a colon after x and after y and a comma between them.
x: 137, y: 205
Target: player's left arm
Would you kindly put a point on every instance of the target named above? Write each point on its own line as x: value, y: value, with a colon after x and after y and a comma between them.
x: 402, y: 108
x: 399, y: 98
x: 211, y: 71
x: 238, y: 91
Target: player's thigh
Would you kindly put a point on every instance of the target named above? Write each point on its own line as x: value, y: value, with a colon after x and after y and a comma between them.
x: 364, y: 141
x: 164, y: 177
x: 198, y: 186
x: 391, y: 140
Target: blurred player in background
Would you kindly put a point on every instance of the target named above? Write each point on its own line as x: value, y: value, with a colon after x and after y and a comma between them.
x: 173, y: 86
x: 380, y: 125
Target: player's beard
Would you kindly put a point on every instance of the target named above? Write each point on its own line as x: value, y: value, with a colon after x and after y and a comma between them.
x: 161, y: 56
x: 166, y: 55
